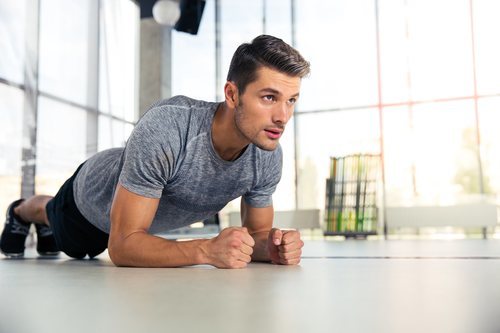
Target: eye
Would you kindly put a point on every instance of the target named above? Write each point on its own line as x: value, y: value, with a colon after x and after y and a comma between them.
x: 269, y: 98
x: 292, y: 101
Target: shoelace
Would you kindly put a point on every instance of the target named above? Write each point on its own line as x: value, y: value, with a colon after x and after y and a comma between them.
x: 44, y: 231
x: 18, y: 228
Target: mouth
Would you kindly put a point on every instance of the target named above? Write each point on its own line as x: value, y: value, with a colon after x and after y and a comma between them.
x: 274, y: 133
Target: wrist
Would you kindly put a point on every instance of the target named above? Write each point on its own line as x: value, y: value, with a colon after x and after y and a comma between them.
x: 260, y: 250
x: 202, y: 256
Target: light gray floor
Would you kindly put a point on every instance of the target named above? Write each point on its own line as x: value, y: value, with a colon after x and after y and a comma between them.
x: 352, y: 286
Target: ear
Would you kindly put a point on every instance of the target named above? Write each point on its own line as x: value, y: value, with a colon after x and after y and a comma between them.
x: 231, y: 94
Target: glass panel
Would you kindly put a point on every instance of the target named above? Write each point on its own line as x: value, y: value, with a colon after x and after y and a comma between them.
x: 12, y: 30
x: 112, y: 133
x: 64, y: 47
x: 394, y: 51
x: 193, y: 59
x: 117, y: 66
x: 11, y: 127
x: 486, y: 27
x: 279, y: 19
x: 323, y: 135
x: 338, y: 38
x: 440, y: 48
x: 61, y: 144
x: 438, y: 142
x: 489, y: 127
x: 399, y: 159
x: 241, y: 21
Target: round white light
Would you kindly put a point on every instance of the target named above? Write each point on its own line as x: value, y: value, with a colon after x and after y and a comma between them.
x: 166, y: 12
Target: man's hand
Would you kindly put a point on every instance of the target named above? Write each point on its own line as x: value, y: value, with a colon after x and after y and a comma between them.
x: 284, y: 246
x: 232, y: 248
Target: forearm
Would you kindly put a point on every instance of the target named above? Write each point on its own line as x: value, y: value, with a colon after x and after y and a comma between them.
x: 260, y: 252
x: 141, y: 249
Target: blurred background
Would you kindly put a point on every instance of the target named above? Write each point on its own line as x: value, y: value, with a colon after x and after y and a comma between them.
x: 414, y: 82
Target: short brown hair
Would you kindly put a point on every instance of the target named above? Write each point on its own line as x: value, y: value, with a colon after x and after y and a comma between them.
x: 266, y: 51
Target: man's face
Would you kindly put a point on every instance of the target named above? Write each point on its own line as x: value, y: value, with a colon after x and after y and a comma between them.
x: 266, y: 106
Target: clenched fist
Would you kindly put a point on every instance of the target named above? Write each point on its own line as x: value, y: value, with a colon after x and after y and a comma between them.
x: 284, y: 246
x: 232, y: 248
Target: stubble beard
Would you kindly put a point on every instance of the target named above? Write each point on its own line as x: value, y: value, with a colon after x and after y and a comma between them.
x: 239, y: 119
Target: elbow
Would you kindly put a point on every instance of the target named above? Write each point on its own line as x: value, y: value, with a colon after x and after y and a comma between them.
x: 116, y: 254
x: 122, y: 250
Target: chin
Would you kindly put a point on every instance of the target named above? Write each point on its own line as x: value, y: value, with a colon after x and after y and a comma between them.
x: 267, y: 146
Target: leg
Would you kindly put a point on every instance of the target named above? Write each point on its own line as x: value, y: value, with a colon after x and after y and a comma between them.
x: 33, y: 209
x: 20, y: 214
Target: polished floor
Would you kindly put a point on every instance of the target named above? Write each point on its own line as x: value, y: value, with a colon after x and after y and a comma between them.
x: 340, y: 286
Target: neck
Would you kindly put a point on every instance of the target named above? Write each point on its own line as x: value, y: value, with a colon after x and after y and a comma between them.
x: 227, y: 142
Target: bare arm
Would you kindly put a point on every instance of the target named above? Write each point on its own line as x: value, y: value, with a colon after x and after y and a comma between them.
x: 271, y: 244
x: 259, y: 222
x: 130, y: 244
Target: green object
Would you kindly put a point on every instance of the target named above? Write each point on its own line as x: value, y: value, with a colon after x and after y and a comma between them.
x: 350, y: 201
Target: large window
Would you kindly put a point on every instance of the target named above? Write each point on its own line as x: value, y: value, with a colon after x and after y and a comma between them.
x: 65, y: 41
x: 339, y: 39
x: 60, y: 149
x: 427, y: 96
x: 425, y: 72
x: 430, y: 159
x: 193, y: 59
x: 12, y: 30
x: 86, y: 98
x: 489, y: 119
x: 118, y: 53
x: 11, y: 107
x: 12, y: 18
x: 432, y: 75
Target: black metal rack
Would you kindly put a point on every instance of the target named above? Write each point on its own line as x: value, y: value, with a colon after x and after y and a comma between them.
x: 351, y: 202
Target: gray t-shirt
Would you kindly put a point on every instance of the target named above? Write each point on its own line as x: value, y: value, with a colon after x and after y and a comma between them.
x: 170, y: 155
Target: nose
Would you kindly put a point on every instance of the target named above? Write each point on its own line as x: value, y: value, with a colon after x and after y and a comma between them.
x: 282, y: 113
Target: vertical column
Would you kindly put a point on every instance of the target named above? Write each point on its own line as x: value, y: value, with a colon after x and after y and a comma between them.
x: 381, y: 120
x: 28, y: 165
x: 166, y: 62
x: 218, y: 52
x: 476, y: 109
x: 264, y: 17
x: 150, y: 63
x: 155, y: 70
x: 93, y: 77
x: 295, y: 119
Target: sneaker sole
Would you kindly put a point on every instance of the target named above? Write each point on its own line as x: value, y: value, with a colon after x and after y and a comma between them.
x: 13, y: 255
x: 49, y: 253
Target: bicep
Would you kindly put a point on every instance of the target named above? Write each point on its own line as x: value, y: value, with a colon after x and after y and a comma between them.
x: 130, y: 213
x: 256, y: 219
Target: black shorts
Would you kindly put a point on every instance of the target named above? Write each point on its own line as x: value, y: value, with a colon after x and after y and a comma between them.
x: 73, y: 233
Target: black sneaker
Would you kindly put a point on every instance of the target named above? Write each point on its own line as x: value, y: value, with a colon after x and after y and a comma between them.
x: 45, y: 244
x: 14, y: 233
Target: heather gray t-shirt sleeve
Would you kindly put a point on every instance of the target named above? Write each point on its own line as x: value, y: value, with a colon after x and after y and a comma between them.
x: 149, y: 155
x: 268, y: 178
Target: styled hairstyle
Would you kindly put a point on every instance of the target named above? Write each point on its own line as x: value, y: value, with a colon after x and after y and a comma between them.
x: 267, y: 51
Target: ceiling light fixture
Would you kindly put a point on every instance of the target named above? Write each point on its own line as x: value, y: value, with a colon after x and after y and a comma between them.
x: 166, y: 12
